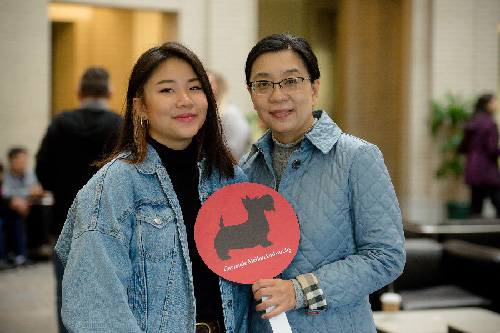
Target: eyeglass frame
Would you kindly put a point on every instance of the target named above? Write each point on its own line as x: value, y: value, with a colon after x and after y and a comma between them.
x: 250, y: 84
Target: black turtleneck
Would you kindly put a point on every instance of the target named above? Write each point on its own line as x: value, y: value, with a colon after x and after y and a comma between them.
x: 181, y: 166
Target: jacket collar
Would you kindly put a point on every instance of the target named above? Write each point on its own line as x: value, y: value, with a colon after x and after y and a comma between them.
x: 323, y: 136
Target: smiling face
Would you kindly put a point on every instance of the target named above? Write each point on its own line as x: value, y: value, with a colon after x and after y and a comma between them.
x: 174, y: 104
x: 289, y: 116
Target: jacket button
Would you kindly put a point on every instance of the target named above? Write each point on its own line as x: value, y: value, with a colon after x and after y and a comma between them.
x: 229, y: 303
x: 296, y: 164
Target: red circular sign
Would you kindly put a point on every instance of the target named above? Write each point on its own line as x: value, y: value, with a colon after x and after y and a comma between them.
x: 245, y: 232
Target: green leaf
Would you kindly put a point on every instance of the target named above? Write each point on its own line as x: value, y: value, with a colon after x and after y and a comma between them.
x: 447, y: 117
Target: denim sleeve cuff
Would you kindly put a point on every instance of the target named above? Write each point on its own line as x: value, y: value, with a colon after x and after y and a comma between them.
x: 316, y: 302
x: 300, y: 298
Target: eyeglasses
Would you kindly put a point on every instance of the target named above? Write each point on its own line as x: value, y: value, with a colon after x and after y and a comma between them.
x: 289, y: 85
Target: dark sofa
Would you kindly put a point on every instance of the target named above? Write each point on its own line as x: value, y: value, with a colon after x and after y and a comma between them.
x: 448, y: 273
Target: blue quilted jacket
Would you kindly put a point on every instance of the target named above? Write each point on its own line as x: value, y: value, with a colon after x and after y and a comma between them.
x: 351, y: 235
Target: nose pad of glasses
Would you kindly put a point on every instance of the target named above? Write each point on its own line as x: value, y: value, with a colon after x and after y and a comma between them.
x: 278, y: 90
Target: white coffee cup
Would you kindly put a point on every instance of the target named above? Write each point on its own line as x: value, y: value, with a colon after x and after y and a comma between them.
x: 390, y: 301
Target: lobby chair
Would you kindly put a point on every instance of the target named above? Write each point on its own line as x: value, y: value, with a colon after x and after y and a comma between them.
x: 427, y: 281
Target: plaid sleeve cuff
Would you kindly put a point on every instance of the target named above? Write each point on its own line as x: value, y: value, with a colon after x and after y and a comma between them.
x: 314, y: 294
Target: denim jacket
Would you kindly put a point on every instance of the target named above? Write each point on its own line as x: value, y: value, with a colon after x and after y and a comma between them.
x: 124, y: 247
x: 351, y: 232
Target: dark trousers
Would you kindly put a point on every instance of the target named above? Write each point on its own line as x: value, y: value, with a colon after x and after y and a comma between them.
x: 3, y: 250
x: 59, y: 272
x: 479, y: 193
x: 13, y: 237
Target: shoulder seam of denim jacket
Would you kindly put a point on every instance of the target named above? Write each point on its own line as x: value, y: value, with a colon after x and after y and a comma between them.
x: 100, y: 230
x: 97, y: 198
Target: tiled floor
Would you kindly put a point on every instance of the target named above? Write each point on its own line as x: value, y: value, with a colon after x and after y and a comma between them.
x: 27, y: 300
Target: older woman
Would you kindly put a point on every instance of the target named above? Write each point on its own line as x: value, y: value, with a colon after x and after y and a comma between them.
x: 352, y: 241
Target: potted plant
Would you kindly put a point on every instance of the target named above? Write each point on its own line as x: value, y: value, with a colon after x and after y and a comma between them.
x: 448, y: 117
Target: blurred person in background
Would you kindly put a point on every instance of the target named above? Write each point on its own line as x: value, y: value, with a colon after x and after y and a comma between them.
x: 20, y: 188
x: 480, y: 144
x: 73, y: 142
x: 4, y: 263
x: 235, y: 126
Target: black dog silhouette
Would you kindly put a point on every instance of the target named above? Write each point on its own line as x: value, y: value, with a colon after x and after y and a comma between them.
x: 249, y: 234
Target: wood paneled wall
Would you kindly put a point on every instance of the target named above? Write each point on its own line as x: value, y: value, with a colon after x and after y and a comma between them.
x: 372, y: 75
x: 108, y: 37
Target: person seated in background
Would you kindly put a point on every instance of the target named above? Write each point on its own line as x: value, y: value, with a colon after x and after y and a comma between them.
x: 20, y: 188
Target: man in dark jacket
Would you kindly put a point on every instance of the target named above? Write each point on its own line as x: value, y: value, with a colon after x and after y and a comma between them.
x: 74, y: 140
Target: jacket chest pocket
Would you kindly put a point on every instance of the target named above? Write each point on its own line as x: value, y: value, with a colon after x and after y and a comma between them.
x: 156, y: 230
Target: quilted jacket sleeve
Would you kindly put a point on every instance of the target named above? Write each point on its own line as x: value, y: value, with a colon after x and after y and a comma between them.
x: 378, y: 234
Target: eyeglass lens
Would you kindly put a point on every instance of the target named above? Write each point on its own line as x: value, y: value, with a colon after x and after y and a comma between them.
x: 287, y: 85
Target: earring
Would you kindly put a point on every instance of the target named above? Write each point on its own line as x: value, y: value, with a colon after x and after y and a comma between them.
x: 140, y: 133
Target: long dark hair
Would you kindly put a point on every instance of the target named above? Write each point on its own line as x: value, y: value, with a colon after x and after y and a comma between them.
x: 282, y: 42
x: 482, y: 102
x: 209, y: 137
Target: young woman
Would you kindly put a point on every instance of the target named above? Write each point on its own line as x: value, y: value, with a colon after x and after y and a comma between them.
x: 351, y: 235
x: 131, y: 263
x: 480, y: 144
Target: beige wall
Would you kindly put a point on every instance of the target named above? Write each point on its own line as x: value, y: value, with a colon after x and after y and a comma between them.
x: 25, y: 73
x: 465, y: 46
x: 231, y: 33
